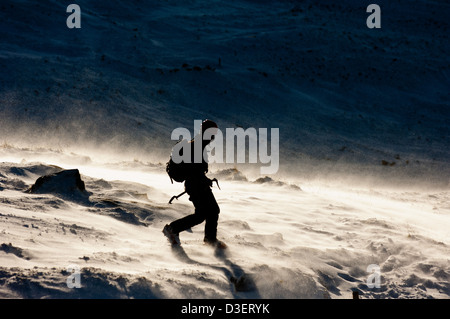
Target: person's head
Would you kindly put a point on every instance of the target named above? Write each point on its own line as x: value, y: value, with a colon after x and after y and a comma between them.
x: 210, y: 127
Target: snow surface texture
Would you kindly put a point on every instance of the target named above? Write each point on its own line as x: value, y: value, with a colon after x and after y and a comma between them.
x: 312, y: 241
x: 364, y: 146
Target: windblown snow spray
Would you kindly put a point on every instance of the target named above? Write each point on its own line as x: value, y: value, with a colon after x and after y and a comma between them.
x: 234, y: 152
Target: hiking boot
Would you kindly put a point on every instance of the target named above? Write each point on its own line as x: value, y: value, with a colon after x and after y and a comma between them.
x: 171, y: 236
x: 215, y: 243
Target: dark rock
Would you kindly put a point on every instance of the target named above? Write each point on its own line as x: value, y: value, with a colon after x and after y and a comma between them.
x: 66, y: 182
x: 10, y: 249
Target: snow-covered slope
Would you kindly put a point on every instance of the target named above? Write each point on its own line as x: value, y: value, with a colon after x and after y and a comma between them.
x: 338, y: 91
x: 364, y: 123
x: 285, y: 241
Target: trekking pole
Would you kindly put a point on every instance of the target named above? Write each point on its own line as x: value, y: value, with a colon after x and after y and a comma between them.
x: 176, y: 197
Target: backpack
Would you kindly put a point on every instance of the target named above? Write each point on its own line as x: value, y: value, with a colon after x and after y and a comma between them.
x: 176, y: 171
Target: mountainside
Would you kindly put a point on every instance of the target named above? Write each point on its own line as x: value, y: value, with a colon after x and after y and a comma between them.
x: 134, y: 71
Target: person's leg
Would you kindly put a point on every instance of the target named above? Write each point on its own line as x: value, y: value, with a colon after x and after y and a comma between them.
x: 206, y: 208
x: 211, y: 228
x: 186, y: 222
x: 211, y: 211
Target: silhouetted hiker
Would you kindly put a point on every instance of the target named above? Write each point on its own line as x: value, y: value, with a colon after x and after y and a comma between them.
x: 198, y: 186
